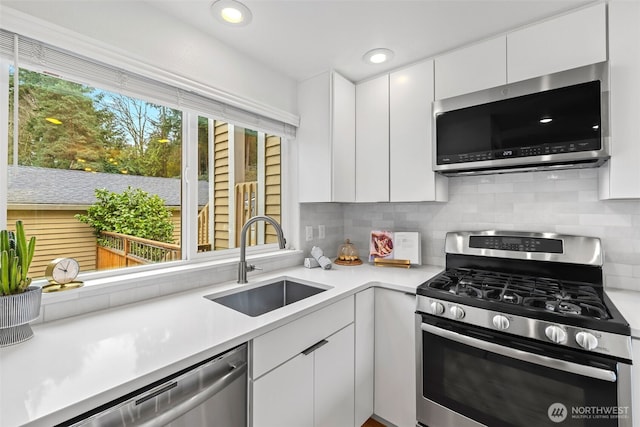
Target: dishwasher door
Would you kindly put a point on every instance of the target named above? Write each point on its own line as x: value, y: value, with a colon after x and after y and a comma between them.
x: 212, y: 394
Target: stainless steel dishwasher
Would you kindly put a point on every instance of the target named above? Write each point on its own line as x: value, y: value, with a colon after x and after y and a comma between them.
x: 210, y: 394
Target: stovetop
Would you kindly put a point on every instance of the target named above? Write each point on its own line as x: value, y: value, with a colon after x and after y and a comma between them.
x: 535, y: 293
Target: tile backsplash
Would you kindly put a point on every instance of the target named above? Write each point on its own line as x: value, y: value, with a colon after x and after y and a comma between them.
x: 560, y: 201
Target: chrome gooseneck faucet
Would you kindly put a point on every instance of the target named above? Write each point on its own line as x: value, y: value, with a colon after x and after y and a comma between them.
x: 243, y: 267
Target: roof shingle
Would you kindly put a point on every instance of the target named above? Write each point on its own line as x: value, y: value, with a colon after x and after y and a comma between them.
x: 35, y: 185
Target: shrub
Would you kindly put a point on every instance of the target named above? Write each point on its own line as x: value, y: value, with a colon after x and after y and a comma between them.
x: 133, y: 212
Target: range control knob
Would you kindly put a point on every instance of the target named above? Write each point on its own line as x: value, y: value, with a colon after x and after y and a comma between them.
x: 586, y: 340
x: 500, y: 322
x: 456, y: 312
x: 437, y: 307
x: 556, y: 334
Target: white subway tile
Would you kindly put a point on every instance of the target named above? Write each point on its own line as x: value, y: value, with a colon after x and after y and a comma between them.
x: 607, y: 220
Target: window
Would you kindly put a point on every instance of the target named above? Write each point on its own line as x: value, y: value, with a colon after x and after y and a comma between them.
x: 239, y: 177
x: 79, y: 146
x: 78, y: 136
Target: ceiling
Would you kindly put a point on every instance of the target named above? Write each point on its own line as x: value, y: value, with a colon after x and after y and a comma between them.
x: 302, y: 38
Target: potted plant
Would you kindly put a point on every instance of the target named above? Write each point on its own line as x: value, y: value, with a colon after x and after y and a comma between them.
x: 19, y: 302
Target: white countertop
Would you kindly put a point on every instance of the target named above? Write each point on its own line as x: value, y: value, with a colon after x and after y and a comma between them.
x: 73, y: 365
x: 628, y: 303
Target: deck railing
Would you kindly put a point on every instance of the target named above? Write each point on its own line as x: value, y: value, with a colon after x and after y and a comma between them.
x: 120, y: 250
x: 246, y: 197
x: 204, y: 243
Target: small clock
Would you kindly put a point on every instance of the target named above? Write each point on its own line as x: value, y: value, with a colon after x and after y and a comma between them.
x: 61, y: 274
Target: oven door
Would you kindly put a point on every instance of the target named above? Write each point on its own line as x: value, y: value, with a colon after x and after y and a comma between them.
x: 470, y: 376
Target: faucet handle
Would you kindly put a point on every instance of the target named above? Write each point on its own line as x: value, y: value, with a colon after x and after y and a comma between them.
x: 252, y: 267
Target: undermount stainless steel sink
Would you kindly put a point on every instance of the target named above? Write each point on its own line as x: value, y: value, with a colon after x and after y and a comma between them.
x: 267, y: 297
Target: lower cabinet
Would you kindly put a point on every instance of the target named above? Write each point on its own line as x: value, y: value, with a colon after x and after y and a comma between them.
x: 303, y: 372
x: 339, y: 365
x: 365, y: 331
x: 333, y: 385
x: 284, y: 396
x: 395, y: 357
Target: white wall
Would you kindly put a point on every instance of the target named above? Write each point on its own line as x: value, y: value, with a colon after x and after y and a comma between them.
x: 562, y: 202
x: 148, y: 35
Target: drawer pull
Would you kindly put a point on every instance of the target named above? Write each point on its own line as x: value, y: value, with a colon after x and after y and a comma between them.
x: 314, y: 347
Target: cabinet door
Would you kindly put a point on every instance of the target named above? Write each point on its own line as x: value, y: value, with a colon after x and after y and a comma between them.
x: 372, y: 140
x: 472, y: 68
x: 569, y: 41
x: 334, y: 373
x: 313, y: 140
x: 326, y: 139
x: 620, y: 176
x: 411, y: 178
x: 343, y: 140
x: 284, y: 397
x: 364, y: 338
x: 395, y: 364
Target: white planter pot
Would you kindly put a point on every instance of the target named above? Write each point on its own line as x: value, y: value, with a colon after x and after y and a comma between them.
x: 16, y: 311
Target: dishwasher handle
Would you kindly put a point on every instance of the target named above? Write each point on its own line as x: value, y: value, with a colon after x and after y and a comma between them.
x: 196, y: 400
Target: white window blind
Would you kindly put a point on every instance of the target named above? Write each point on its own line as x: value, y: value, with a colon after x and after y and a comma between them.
x: 44, y: 58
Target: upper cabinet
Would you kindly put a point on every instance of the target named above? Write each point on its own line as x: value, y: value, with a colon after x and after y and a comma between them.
x: 569, y: 41
x: 620, y: 176
x: 479, y: 66
x: 411, y: 178
x: 326, y: 139
x: 372, y: 140
x: 394, y: 138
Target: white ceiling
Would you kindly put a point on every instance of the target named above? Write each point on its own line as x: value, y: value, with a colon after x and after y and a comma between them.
x: 302, y: 38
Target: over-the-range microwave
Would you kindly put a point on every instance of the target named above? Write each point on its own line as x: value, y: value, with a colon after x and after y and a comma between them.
x: 558, y: 121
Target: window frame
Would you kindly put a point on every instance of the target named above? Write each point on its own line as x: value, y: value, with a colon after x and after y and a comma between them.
x: 189, y: 195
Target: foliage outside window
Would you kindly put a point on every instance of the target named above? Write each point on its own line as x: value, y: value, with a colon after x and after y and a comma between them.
x: 80, y: 149
x: 132, y: 213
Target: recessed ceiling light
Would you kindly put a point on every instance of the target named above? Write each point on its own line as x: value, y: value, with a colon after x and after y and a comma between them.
x: 231, y: 12
x: 378, y: 56
x: 53, y: 120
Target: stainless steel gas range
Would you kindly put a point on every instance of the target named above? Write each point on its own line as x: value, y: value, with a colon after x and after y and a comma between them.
x: 518, y: 331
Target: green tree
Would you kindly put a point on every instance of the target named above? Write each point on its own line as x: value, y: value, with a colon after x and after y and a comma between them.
x: 67, y: 125
x: 133, y: 212
x: 61, y: 124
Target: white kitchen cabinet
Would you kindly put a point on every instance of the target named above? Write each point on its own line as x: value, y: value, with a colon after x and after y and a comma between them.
x: 302, y: 373
x: 326, y: 139
x: 411, y: 177
x: 395, y: 353
x: 364, y: 355
x: 312, y: 389
x: 284, y: 397
x: 620, y: 176
x: 476, y: 67
x: 334, y: 380
x: 573, y: 40
x: 569, y: 41
x: 372, y: 140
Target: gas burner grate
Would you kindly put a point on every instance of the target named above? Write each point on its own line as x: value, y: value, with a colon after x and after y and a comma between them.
x: 565, y: 297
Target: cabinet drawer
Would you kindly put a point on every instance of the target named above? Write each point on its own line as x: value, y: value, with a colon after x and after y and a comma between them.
x: 279, y: 345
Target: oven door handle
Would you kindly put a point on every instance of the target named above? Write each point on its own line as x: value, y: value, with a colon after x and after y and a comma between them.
x: 549, y: 362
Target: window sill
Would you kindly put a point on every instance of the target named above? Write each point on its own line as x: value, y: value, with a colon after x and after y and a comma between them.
x: 108, y: 292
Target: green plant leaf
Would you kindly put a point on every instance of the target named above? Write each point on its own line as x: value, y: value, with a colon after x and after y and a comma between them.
x: 4, y: 272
